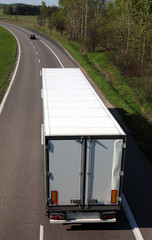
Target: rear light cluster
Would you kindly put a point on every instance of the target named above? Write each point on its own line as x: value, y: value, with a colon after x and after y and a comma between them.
x: 56, y: 217
x: 108, y: 216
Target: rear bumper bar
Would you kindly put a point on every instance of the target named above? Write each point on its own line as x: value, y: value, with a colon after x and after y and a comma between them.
x: 81, y: 221
x: 83, y: 217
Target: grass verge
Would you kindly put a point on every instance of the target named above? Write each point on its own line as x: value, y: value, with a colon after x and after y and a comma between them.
x: 8, y: 48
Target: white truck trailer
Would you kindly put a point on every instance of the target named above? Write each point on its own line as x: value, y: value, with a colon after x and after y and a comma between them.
x: 84, y: 150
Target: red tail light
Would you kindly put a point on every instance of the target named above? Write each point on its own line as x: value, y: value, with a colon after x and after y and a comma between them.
x: 109, y: 216
x: 56, y: 217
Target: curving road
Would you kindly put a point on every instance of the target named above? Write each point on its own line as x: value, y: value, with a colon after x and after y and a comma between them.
x: 22, y: 207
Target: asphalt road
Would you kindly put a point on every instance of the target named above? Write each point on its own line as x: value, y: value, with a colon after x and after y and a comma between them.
x: 22, y: 206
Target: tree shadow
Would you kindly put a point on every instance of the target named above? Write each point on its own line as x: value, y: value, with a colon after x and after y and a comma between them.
x: 138, y: 128
x: 138, y: 169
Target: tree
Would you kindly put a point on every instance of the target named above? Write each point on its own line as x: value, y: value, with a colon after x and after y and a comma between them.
x: 40, y: 20
x: 43, y: 12
x: 129, y: 24
x: 81, y: 15
x: 58, y: 20
x: 7, y: 10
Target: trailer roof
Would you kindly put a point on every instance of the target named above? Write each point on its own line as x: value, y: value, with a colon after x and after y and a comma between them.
x: 71, y: 107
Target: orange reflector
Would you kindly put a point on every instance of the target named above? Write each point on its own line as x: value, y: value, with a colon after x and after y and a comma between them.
x: 54, y: 197
x: 113, y: 196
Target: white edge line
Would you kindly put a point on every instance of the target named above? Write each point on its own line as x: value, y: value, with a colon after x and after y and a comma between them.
x: 42, y: 143
x: 53, y: 53
x: 131, y: 219
x: 41, y: 93
x: 41, y: 232
x: 14, y: 74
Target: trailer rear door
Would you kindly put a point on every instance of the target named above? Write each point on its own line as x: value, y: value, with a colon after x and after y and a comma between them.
x: 104, y: 158
x: 84, y: 172
x: 66, y: 171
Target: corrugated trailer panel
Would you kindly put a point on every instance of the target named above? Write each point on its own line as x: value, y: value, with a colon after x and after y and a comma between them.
x: 72, y: 107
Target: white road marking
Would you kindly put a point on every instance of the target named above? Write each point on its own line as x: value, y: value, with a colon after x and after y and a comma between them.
x: 42, y: 133
x: 40, y: 73
x: 37, y: 53
x: 39, y: 60
x: 131, y: 219
x: 33, y: 46
x: 53, y: 53
x: 42, y: 93
x: 41, y: 232
x: 14, y: 74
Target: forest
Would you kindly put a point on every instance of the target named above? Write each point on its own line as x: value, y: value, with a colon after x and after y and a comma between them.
x: 21, y: 9
x: 121, y: 27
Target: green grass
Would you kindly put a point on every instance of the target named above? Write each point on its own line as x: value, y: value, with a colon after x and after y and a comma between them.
x: 24, y: 21
x: 8, y: 47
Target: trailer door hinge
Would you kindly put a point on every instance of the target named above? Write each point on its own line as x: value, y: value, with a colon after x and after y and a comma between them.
x: 49, y: 200
x: 79, y: 141
x: 48, y: 147
x: 50, y: 175
x: 92, y: 201
x: 119, y: 199
x: 76, y: 201
x: 124, y: 145
x: 121, y: 173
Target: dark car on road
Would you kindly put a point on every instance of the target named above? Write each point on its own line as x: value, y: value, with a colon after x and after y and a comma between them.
x: 32, y: 36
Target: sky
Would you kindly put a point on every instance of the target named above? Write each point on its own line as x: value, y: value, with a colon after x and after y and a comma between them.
x: 31, y: 2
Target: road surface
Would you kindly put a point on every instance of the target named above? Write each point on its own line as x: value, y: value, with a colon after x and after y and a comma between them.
x: 22, y: 206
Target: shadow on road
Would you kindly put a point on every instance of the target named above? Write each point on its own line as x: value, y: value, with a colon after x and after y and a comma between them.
x: 138, y: 171
x: 121, y: 224
x: 140, y: 129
